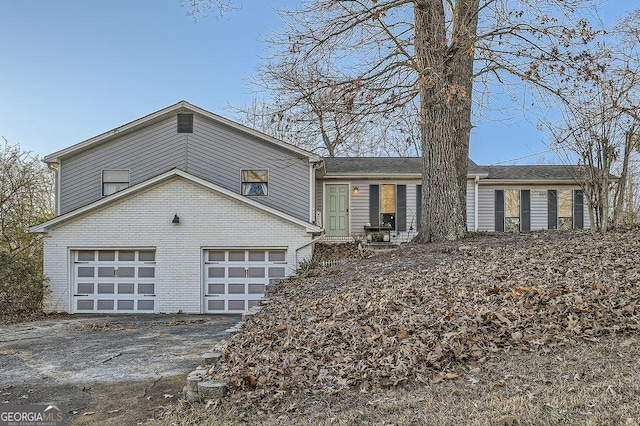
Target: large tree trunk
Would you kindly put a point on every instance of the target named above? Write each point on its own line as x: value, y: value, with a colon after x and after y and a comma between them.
x: 465, y: 24
x: 445, y: 116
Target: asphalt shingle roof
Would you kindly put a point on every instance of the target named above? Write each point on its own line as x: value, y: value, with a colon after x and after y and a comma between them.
x: 413, y: 165
x: 377, y: 165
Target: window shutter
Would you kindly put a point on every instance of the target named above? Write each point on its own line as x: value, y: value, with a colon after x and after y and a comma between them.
x: 525, y: 210
x: 401, y: 208
x: 578, y: 209
x: 552, y: 209
x: 185, y: 123
x: 418, y: 206
x: 374, y: 205
x: 499, y: 210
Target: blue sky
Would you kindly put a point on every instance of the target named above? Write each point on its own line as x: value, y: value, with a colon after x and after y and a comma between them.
x: 72, y: 69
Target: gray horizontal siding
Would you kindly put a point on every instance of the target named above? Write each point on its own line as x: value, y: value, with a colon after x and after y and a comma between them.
x: 219, y: 153
x: 145, y: 153
x: 486, y: 205
x: 214, y: 152
x: 471, y: 204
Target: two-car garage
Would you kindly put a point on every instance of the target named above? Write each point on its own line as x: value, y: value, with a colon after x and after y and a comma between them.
x: 127, y: 254
x: 120, y: 281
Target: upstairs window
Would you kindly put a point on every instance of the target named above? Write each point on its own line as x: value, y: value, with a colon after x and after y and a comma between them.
x: 185, y: 123
x: 255, y: 182
x: 114, y: 181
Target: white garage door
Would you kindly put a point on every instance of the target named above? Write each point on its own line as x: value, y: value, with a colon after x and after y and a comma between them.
x: 236, y: 279
x: 114, y: 281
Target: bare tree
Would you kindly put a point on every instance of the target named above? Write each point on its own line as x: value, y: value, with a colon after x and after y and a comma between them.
x: 387, y: 55
x: 200, y: 8
x: 26, y: 198
x: 600, y: 121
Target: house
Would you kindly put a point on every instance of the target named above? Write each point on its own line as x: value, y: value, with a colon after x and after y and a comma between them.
x: 178, y: 211
x: 185, y: 211
x: 355, y: 196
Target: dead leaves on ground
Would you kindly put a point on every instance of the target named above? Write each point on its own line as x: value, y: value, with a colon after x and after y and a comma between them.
x: 414, y: 316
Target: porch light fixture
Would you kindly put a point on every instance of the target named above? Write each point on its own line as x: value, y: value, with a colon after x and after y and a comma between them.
x: 356, y: 190
x: 176, y: 219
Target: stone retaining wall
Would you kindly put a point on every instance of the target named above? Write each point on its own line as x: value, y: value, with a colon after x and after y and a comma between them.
x: 201, y: 388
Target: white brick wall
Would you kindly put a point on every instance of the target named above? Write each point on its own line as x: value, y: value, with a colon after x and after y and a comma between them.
x: 207, y: 220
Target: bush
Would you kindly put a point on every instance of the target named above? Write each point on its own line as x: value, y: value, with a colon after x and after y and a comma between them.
x: 22, y: 285
x: 306, y: 267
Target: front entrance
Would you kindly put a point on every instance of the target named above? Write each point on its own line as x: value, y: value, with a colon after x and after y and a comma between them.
x: 336, y: 207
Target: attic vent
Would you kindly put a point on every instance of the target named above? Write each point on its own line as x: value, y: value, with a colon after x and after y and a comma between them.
x: 185, y: 123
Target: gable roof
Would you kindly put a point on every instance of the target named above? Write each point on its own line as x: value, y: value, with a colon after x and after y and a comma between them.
x: 409, y: 166
x: 162, y: 178
x: 180, y: 107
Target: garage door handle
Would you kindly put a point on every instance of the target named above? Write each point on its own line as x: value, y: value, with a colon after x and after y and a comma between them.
x: 78, y: 295
x: 149, y: 295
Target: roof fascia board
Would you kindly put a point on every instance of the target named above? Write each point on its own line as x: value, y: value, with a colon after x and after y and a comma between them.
x: 118, y: 131
x: 41, y: 228
x: 365, y: 175
x: 148, y: 119
x: 313, y: 158
x: 530, y: 181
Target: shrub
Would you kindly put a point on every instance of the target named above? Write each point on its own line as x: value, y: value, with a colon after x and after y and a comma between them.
x: 22, y: 285
x: 306, y: 266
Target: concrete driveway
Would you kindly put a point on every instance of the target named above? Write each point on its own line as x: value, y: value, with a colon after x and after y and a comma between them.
x: 105, y: 369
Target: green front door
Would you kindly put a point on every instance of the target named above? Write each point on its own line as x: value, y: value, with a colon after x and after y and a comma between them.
x: 336, y: 201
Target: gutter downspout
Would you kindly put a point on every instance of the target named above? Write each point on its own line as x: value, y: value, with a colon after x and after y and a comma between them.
x: 475, y: 204
x: 312, y: 192
x: 56, y: 171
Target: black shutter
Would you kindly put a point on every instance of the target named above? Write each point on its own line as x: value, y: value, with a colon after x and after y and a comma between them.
x: 525, y: 210
x: 418, y: 206
x: 578, y: 209
x: 552, y: 209
x: 374, y: 205
x: 401, y: 208
x: 499, y: 210
x: 185, y: 123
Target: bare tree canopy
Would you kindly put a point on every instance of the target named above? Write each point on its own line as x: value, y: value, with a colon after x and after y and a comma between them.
x: 600, y: 121
x: 341, y: 65
x: 372, y: 60
x: 206, y: 7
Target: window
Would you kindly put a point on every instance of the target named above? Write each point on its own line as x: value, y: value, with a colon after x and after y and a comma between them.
x: 185, y: 123
x: 565, y: 209
x: 512, y: 210
x: 388, y: 205
x: 255, y: 182
x: 114, y: 181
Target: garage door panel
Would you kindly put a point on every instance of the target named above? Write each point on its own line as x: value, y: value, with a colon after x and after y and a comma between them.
x: 235, y: 280
x: 106, y: 288
x: 255, y: 272
x: 114, y: 280
x: 126, y: 288
x: 146, y: 305
x: 256, y: 289
x: 126, y: 305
